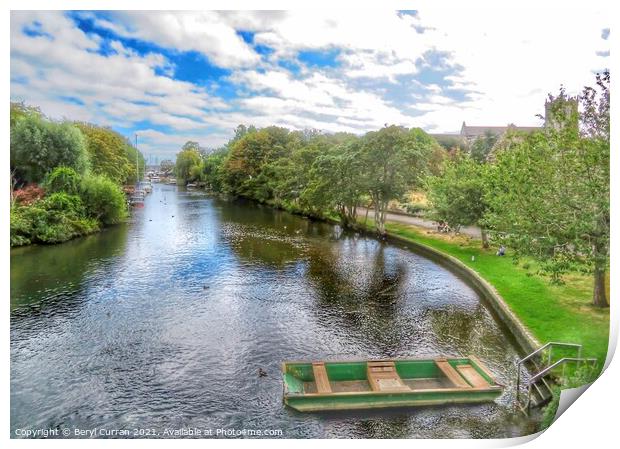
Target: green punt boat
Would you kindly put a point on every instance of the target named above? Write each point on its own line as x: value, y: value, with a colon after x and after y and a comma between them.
x: 350, y: 385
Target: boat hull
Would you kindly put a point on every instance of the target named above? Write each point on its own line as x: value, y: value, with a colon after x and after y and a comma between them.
x: 350, y: 385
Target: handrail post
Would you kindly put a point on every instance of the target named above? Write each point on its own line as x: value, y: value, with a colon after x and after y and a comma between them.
x: 518, y: 380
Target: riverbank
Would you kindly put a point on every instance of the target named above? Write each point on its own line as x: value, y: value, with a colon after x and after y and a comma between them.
x: 550, y: 312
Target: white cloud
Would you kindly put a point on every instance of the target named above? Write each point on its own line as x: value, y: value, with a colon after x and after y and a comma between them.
x: 500, y: 63
x: 204, y: 32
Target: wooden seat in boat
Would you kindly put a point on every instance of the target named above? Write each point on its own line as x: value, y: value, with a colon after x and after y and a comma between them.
x: 320, y: 378
x: 382, y: 376
x: 472, y: 376
x: 454, y: 377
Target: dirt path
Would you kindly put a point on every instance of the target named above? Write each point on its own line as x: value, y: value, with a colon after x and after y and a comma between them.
x: 470, y: 231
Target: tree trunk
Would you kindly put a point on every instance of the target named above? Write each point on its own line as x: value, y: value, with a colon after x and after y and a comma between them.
x: 599, y: 298
x: 485, y: 238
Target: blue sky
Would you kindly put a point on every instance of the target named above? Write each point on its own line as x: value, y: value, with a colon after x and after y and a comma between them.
x: 177, y: 76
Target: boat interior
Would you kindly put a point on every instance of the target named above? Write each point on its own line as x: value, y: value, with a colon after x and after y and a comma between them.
x: 386, y: 376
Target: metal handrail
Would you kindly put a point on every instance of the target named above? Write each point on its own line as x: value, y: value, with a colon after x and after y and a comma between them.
x: 558, y: 363
x: 551, y: 343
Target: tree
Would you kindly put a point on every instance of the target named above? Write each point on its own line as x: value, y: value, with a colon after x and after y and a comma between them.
x: 21, y: 110
x: 191, y: 145
x: 548, y: 194
x: 248, y: 158
x: 111, y: 154
x: 186, y: 160
x: 457, y: 194
x: 335, y: 180
x: 481, y: 147
x: 394, y: 160
x: 39, y: 145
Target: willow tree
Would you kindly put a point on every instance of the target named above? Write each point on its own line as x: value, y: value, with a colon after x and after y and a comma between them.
x: 548, y: 192
x: 394, y: 161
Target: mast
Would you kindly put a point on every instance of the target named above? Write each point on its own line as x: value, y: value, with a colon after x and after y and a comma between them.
x: 137, y: 165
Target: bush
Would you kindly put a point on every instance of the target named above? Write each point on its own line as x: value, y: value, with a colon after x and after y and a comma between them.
x: 103, y: 199
x: 57, y: 218
x: 28, y: 194
x: 62, y: 179
x: 64, y: 203
x: 416, y: 208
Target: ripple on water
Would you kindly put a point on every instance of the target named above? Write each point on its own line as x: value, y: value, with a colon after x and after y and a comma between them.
x: 166, y: 321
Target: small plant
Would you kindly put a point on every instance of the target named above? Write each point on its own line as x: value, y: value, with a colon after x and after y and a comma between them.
x: 580, y: 377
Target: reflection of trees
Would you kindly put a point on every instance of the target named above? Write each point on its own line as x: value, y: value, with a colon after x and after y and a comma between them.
x: 471, y: 331
x: 364, y: 297
x: 258, y: 233
x: 44, y: 275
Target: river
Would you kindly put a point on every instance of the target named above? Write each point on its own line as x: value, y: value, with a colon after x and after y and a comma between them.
x: 164, y: 323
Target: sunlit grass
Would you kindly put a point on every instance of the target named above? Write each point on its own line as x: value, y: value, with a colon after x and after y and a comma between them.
x: 551, y: 312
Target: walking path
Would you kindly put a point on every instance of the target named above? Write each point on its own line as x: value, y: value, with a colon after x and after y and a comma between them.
x: 470, y: 231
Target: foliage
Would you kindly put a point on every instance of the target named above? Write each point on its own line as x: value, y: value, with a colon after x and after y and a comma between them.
x: 62, y: 179
x: 394, y: 160
x: 188, y: 158
x: 481, y: 147
x: 213, y: 170
x: 548, y: 194
x: 551, y: 312
x: 56, y: 218
x: 335, y: 181
x: 582, y: 377
x: 28, y: 195
x: 457, y: 195
x: 250, y: 155
x: 39, y: 145
x: 103, y: 199
x: 21, y: 110
x: 111, y: 154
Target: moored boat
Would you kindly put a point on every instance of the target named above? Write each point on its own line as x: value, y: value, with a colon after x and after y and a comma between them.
x: 348, y: 385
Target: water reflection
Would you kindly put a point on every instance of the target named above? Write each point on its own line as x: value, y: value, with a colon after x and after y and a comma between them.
x: 165, y: 322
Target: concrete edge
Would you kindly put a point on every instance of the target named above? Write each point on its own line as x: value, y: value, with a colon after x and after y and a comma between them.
x: 526, y: 341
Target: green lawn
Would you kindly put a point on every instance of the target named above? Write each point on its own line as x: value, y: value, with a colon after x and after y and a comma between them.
x: 551, y: 312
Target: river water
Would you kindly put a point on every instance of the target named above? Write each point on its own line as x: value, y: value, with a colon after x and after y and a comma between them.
x: 164, y: 323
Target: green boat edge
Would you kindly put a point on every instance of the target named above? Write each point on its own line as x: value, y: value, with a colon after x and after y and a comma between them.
x: 295, y: 373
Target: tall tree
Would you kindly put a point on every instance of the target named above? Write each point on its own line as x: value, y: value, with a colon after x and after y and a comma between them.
x: 548, y: 194
x: 394, y: 160
x: 336, y: 181
x: 111, y: 154
x: 187, y: 160
x: 457, y: 194
x: 38, y: 145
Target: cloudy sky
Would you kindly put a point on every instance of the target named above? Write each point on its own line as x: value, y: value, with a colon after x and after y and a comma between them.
x: 177, y: 76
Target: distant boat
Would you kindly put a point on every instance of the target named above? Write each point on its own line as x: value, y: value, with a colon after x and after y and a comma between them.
x: 172, y: 181
x: 320, y: 386
x: 191, y: 185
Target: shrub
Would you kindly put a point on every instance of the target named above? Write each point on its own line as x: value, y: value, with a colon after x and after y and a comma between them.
x: 28, y: 194
x: 103, y: 199
x: 57, y: 218
x: 62, y: 179
x: 64, y: 203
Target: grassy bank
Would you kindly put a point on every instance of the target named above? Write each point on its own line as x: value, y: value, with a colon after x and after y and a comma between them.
x: 550, y: 312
